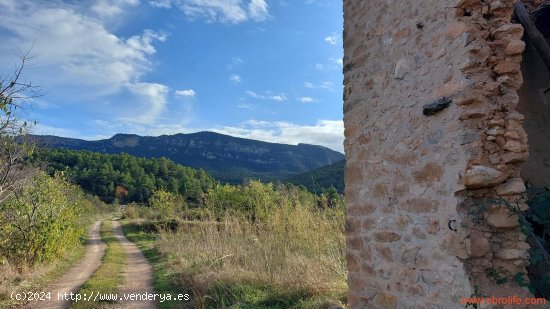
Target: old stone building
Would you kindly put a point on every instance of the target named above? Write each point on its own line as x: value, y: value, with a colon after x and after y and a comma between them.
x: 437, y: 119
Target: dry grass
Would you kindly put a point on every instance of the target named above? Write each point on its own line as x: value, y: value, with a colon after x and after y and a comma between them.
x: 26, y: 278
x: 295, y: 253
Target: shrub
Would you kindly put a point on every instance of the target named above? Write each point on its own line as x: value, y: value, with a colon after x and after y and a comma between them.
x: 41, y: 222
x: 166, y: 205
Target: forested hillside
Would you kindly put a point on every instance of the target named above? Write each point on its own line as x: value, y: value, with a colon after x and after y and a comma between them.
x: 227, y: 158
x: 321, y: 179
x: 136, y: 178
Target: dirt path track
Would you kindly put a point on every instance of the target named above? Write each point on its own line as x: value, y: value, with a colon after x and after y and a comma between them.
x: 138, y: 273
x: 76, y: 276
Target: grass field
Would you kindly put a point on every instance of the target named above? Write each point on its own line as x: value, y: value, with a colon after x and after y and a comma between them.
x: 292, y: 260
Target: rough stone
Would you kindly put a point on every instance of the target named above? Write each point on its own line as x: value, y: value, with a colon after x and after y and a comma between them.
x: 496, y: 123
x: 495, y: 131
x: 508, y: 254
x: 501, y: 218
x: 515, y: 47
x: 479, y: 176
x: 401, y: 68
x: 511, y: 187
x: 386, y: 236
x: 515, y: 146
x: 514, y: 135
x: 505, y: 67
x: 479, y: 246
x: 455, y: 30
x: 508, y: 30
x: 514, y: 157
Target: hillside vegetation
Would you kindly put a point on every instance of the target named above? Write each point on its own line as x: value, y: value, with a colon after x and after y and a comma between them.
x: 100, y: 174
x: 321, y: 179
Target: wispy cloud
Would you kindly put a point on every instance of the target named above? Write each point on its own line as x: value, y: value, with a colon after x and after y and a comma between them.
x: 235, y: 78
x: 279, y: 97
x: 328, y: 133
x: 235, y: 62
x: 305, y: 99
x: 324, y: 85
x: 153, y: 98
x: 185, y: 93
x: 330, y: 64
x: 225, y: 11
x: 338, y: 61
x: 165, y: 4
x: 104, y: 8
x: 43, y: 129
x: 246, y: 106
x: 258, y: 10
x: 332, y: 39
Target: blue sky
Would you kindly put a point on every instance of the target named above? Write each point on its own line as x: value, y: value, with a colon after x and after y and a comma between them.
x: 260, y: 69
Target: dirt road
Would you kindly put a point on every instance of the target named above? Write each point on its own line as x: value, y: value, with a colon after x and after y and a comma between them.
x: 138, y: 273
x: 76, y: 276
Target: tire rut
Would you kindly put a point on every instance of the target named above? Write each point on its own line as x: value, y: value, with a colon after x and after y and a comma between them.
x: 138, y: 273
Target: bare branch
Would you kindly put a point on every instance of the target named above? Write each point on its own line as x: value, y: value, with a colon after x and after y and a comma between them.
x: 14, y: 93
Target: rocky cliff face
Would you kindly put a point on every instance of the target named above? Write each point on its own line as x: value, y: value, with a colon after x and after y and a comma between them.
x: 227, y: 158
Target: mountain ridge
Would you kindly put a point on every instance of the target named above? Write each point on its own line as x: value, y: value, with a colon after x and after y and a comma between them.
x: 228, y: 158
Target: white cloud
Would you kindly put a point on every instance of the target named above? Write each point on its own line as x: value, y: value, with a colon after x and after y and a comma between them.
x: 279, y: 97
x: 252, y: 94
x: 227, y: 11
x: 330, y: 64
x: 324, y: 85
x: 338, y: 61
x: 332, y: 39
x: 305, y: 99
x: 165, y: 4
x: 235, y: 78
x: 153, y: 97
x: 185, y: 93
x: 75, y: 49
x: 328, y: 133
x: 258, y: 10
x: 43, y: 129
x: 109, y: 9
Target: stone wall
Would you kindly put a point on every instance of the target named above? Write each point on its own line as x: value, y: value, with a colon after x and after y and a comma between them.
x: 428, y: 197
